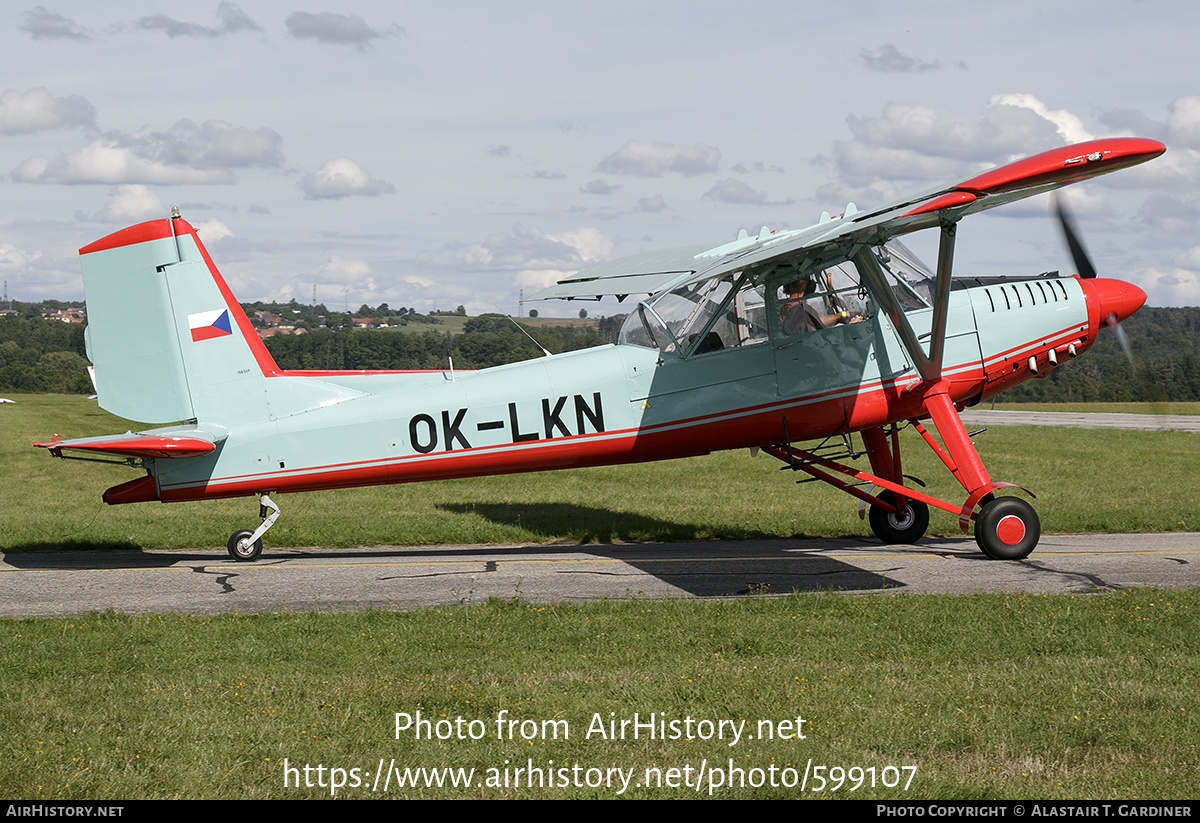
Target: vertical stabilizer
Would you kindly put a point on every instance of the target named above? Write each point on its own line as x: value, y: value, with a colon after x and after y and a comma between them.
x: 167, y: 338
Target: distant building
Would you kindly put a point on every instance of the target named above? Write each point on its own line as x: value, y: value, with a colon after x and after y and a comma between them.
x: 65, y: 315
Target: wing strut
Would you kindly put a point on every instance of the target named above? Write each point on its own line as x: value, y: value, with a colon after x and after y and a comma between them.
x: 941, y: 300
x: 929, y: 366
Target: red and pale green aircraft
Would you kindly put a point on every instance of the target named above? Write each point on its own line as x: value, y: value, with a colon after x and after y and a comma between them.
x: 818, y: 334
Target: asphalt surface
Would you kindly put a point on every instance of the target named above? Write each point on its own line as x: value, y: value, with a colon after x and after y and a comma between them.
x: 1081, y: 420
x: 38, y: 584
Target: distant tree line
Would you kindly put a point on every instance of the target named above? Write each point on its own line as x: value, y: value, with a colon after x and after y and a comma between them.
x: 488, y: 340
x: 315, y: 316
x: 1165, y: 346
x: 39, y: 355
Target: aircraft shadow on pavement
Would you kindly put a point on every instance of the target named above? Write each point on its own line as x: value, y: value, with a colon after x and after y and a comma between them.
x: 704, y: 568
x: 701, y: 568
x: 708, y: 570
x: 589, y: 524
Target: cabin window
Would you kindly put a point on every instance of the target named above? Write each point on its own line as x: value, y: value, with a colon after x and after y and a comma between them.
x: 698, y: 318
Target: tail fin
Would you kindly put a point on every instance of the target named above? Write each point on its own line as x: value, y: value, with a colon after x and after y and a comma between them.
x: 167, y: 338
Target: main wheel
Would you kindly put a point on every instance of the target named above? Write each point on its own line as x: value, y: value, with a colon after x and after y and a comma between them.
x: 906, y: 525
x: 240, y: 547
x: 1007, y: 528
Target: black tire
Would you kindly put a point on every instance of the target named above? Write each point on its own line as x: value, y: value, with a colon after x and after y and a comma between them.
x: 907, y: 526
x: 241, y: 550
x: 1007, y: 528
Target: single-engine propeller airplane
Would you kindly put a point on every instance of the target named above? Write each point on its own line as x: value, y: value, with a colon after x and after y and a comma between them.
x: 765, y: 342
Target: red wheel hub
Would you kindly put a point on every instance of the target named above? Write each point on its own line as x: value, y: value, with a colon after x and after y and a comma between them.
x: 1010, y: 530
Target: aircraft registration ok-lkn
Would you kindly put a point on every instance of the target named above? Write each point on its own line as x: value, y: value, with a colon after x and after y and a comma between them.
x: 425, y: 434
x: 816, y: 334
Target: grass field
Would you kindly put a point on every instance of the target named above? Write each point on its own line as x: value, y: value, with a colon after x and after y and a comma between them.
x: 986, y: 696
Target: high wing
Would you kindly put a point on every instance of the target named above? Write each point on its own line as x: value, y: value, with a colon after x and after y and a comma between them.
x: 639, y: 274
x: 851, y: 235
x: 855, y: 230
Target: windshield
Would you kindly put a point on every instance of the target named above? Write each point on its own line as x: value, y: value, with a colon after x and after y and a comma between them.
x: 911, y: 280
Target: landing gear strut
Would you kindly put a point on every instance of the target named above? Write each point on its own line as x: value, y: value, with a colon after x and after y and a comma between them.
x: 246, y: 545
x: 1006, y: 528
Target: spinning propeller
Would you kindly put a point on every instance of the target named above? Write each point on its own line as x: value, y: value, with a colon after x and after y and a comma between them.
x: 1117, y: 299
x: 1083, y: 263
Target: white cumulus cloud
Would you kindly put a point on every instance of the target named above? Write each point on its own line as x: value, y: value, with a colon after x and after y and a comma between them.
x: 732, y: 190
x: 888, y: 58
x: 641, y: 159
x: 530, y: 257
x: 14, y: 259
x: 186, y: 153
x: 232, y: 18
x: 337, y: 29
x: 339, y: 270
x: 917, y: 143
x: 1170, y: 287
x: 342, y: 177
x: 38, y: 110
x: 1069, y: 126
x: 42, y: 24
x: 105, y: 161
x: 211, y: 231
x: 1183, y: 123
x: 131, y: 204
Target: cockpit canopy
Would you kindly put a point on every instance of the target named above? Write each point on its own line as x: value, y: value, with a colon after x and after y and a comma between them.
x: 744, y: 308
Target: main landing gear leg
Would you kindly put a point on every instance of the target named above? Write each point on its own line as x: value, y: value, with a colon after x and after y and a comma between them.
x: 1006, y: 528
x: 246, y: 545
x: 909, y: 518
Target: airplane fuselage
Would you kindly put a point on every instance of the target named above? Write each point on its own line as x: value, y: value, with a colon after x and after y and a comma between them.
x: 623, y: 403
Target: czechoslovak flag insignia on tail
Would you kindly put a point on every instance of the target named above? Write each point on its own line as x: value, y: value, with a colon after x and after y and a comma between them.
x: 209, y: 324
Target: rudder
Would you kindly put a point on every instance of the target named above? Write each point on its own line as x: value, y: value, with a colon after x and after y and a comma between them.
x: 167, y: 338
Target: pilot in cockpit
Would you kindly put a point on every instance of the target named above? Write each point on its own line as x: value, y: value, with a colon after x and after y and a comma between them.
x: 798, y: 314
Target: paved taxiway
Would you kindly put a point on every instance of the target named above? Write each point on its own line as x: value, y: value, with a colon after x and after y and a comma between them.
x: 45, y: 583
x: 1082, y: 420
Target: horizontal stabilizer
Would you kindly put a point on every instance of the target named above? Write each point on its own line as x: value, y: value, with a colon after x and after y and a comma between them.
x: 134, y: 445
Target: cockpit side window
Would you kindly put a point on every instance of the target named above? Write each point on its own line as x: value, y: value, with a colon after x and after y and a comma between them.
x: 721, y: 313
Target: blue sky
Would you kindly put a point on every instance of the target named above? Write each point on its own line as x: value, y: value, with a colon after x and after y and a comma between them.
x: 435, y: 155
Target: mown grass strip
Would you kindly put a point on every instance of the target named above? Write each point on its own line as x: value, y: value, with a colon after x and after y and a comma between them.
x: 989, y: 695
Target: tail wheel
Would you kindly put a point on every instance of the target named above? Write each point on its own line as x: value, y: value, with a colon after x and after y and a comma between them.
x: 905, y: 525
x: 240, y: 547
x: 1007, y: 528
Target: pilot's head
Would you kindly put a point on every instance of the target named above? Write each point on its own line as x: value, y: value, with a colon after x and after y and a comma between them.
x: 800, y: 287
